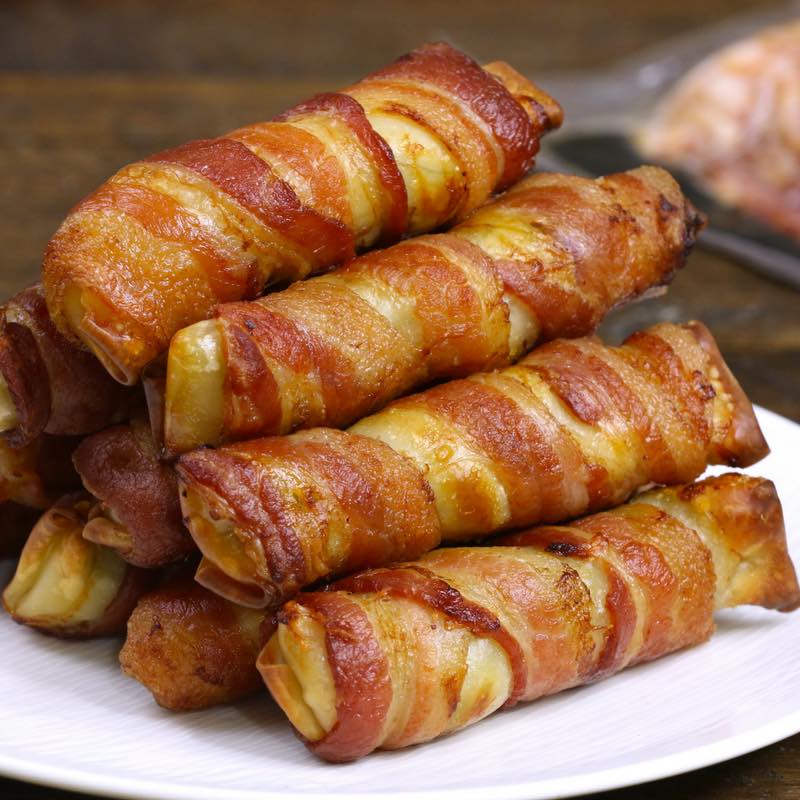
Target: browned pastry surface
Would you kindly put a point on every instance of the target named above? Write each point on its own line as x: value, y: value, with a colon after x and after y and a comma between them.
x: 411, y: 147
x: 548, y: 259
x: 574, y: 427
x: 397, y: 656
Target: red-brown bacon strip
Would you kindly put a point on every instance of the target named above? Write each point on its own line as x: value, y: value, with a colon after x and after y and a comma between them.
x: 589, y: 424
x: 548, y: 259
x: 343, y: 107
x: 53, y: 386
x: 360, y: 674
x: 464, y: 79
x: 419, y: 583
x: 137, y: 513
x: 414, y: 147
x: 241, y: 174
x: 574, y: 604
x: 389, y: 507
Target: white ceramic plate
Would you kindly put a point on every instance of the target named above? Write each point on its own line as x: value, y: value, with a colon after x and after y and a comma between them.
x: 68, y: 717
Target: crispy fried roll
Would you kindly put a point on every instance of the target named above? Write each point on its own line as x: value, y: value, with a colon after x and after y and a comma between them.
x: 396, y: 656
x: 548, y: 259
x: 67, y: 586
x: 410, y: 148
x: 191, y: 648
x: 575, y: 427
x: 138, y: 513
x: 48, y: 384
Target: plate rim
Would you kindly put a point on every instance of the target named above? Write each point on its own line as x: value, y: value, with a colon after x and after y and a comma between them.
x: 573, y: 786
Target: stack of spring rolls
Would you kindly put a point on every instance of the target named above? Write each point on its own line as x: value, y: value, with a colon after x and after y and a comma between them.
x: 208, y: 455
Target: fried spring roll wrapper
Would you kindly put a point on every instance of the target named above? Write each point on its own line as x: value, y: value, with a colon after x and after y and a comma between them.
x: 410, y: 148
x: 575, y: 427
x: 191, y: 648
x: 31, y: 478
x: 396, y: 656
x: 67, y: 586
x: 138, y: 513
x: 47, y: 383
x: 548, y: 259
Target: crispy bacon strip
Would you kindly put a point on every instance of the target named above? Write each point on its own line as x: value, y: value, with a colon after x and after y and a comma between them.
x: 137, y: 513
x: 191, y: 648
x: 47, y: 384
x: 401, y: 655
x: 413, y: 147
x: 548, y: 259
x: 67, y: 586
x: 575, y: 427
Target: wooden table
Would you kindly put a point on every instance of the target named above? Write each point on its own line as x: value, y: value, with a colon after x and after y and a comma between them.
x: 88, y: 86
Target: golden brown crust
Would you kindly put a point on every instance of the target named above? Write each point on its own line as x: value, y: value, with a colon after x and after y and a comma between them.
x: 561, y: 606
x: 191, y: 648
x: 380, y: 503
x: 360, y: 674
x: 57, y: 387
x: 68, y: 587
x: 138, y: 512
x: 575, y: 427
x: 548, y: 259
x: 741, y: 442
x: 749, y: 511
x: 218, y: 220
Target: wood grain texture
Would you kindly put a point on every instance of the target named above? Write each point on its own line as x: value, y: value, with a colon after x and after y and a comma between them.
x: 80, y: 99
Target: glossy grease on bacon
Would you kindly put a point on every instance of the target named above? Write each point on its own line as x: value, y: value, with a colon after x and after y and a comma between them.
x: 410, y: 148
x: 401, y: 655
x: 574, y: 427
x: 548, y: 259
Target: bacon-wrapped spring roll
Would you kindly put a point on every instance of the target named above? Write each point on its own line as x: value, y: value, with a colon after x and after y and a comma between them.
x: 549, y: 259
x: 138, y: 513
x: 31, y: 478
x: 191, y: 648
x: 67, y: 586
x: 414, y: 146
x: 574, y: 427
x: 397, y: 656
x: 47, y: 383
